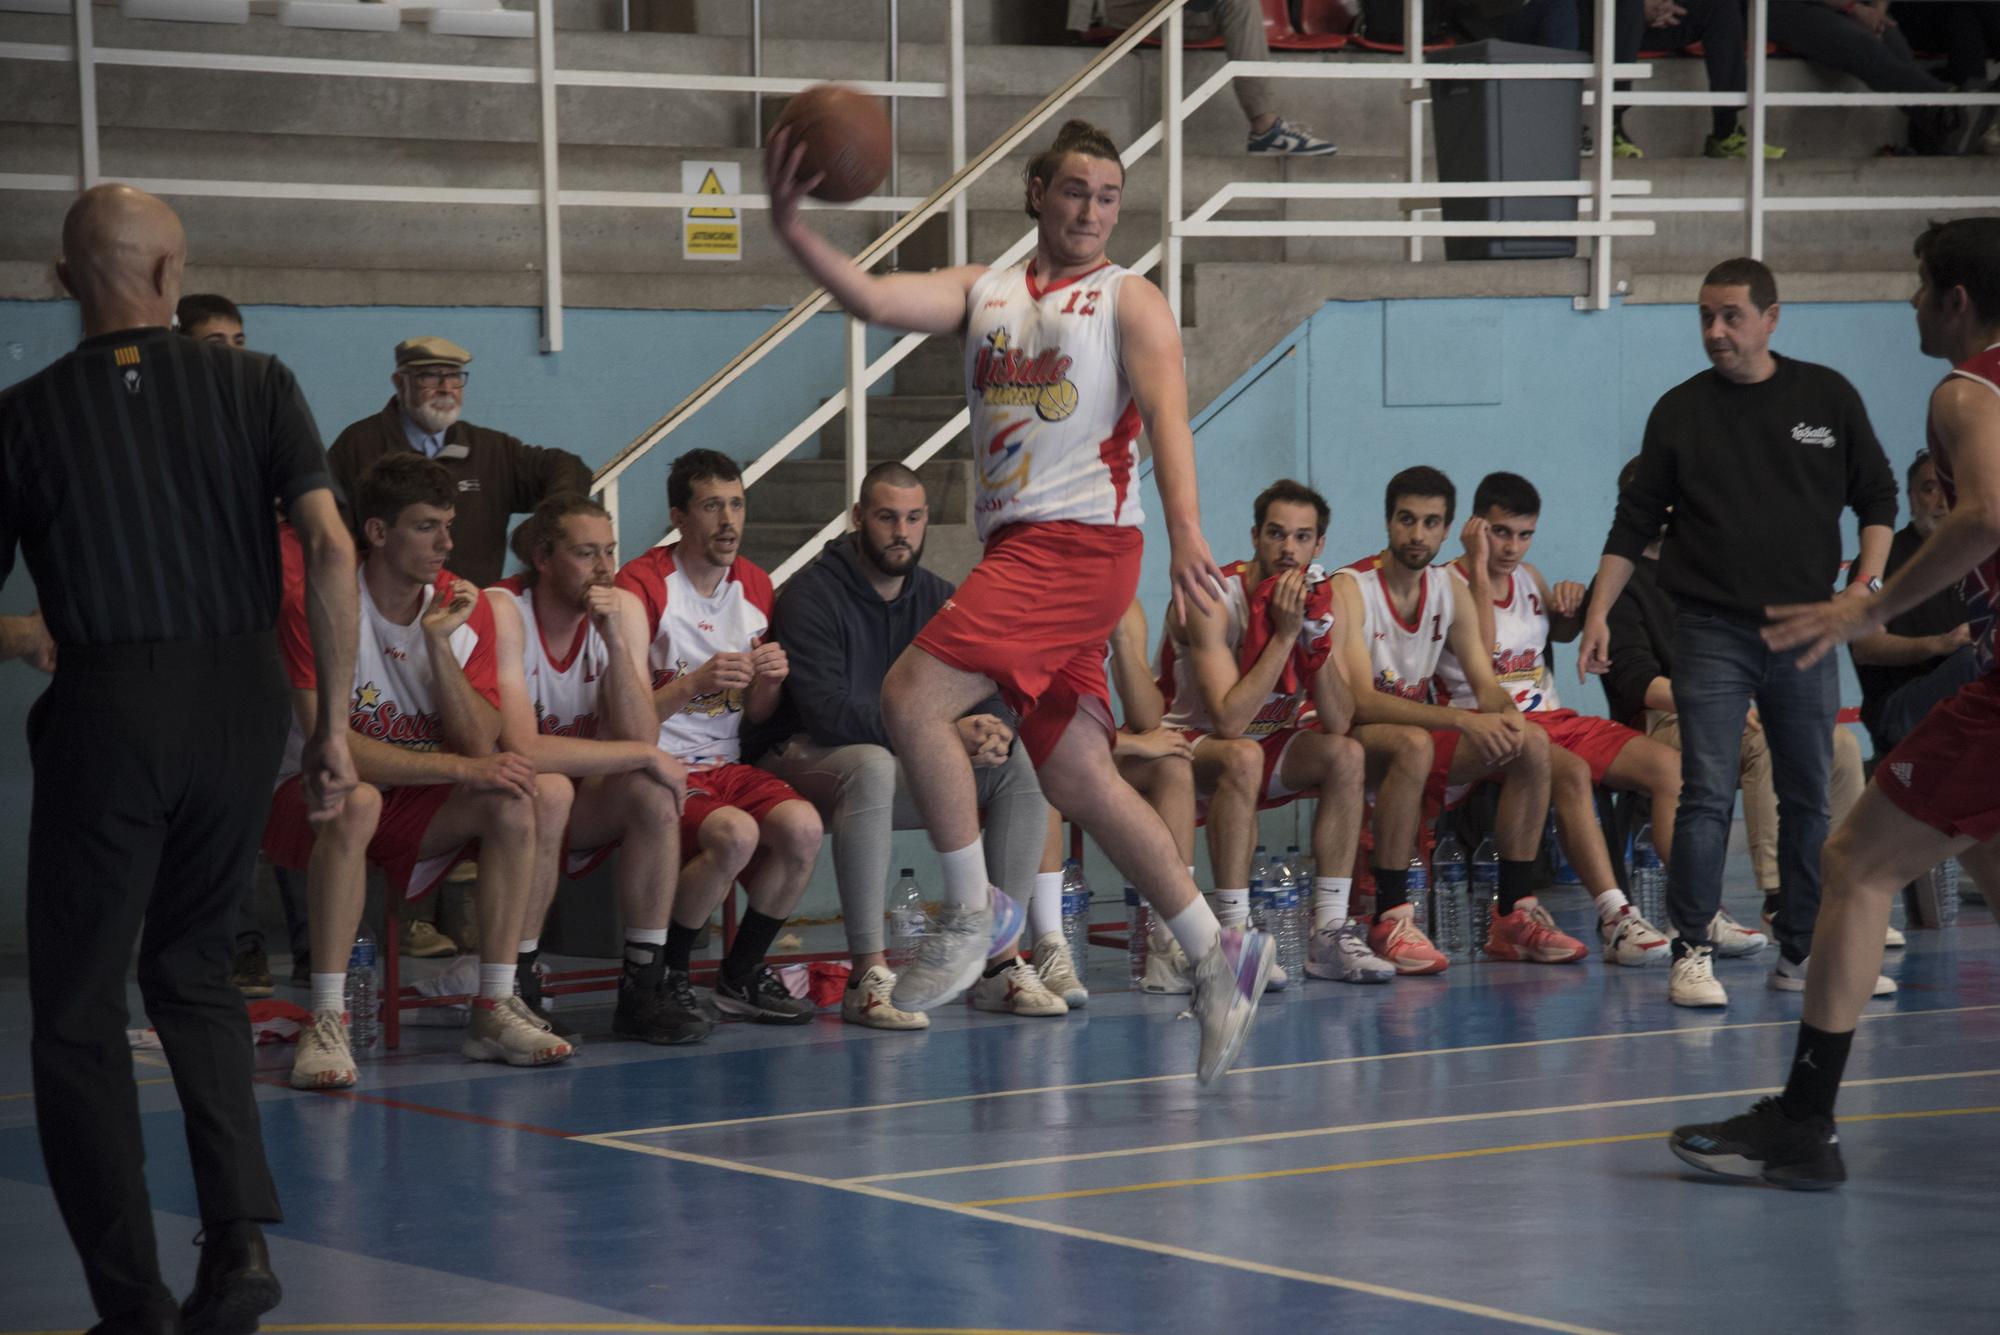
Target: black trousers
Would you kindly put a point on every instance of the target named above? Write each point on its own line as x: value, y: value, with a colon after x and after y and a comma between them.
x: 153, y: 770
x: 1716, y: 24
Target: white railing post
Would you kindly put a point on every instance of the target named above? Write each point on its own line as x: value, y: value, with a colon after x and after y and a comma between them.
x: 954, y: 78
x: 1413, y: 48
x: 86, y: 95
x: 1603, y: 112
x: 857, y: 409
x: 545, y: 79
x: 1170, y: 186
x: 607, y: 496
x: 1753, y: 199
x: 757, y: 72
x: 895, y: 103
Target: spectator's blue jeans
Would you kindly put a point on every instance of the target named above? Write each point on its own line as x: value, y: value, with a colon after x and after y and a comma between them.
x: 1721, y: 666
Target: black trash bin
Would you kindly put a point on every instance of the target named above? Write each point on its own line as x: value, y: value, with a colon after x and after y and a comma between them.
x: 1508, y: 130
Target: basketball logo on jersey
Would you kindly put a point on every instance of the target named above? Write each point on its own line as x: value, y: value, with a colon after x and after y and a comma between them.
x: 1004, y: 378
x: 384, y: 721
x: 713, y: 705
x: 1391, y: 682
x: 583, y: 725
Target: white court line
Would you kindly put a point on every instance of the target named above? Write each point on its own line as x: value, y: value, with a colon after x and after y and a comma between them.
x: 1689, y: 1031
x: 1450, y: 1119
x: 612, y: 1141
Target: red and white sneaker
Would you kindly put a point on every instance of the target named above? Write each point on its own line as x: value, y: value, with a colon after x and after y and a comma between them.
x: 1632, y: 941
x: 1395, y: 937
x: 1530, y: 934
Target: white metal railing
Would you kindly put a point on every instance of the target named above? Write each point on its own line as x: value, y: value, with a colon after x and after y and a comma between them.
x: 542, y: 74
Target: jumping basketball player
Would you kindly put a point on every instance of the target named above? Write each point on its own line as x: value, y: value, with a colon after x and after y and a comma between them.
x: 1066, y: 357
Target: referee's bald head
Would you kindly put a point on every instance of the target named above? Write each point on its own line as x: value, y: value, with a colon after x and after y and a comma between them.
x: 123, y: 252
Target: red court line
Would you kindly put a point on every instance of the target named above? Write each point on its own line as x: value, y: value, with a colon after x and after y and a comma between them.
x: 403, y: 1105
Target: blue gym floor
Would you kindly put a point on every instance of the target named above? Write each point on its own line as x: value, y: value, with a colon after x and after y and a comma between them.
x: 1477, y: 1152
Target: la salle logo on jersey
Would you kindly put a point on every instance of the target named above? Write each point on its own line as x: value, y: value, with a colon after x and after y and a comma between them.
x: 1004, y: 377
x: 1821, y: 436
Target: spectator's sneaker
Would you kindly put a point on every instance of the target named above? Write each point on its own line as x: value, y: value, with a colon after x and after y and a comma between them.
x: 681, y: 987
x: 1168, y: 972
x: 953, y: 953
x: 867, y: 1003
x: 422, y: 941
x: 1632, y: 941
x: 1396, y: 937
x: 656, y: 1015
x: 1623, y: 148
x: 1530, y: 935
x: 763, y: 999
x: 1277, y: 980
x: 1731, y: 939
x: 1342, y: 952
x: 251, y: 973
x: 1016, y: 990
x: 1790, y: 977
x: 1765, y: 1142
x: 1228, y: 984
x: 1058, y: 971
x: 530, y: 991
x: 1293, y: 139
x: 501, y: 1030
x: 324, y: 1060
x: 1893, y: 939
x: 1692, y: 981
x: 1736, y: 144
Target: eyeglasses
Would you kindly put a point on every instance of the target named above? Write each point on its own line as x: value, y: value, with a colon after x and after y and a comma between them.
x: 432, y: 379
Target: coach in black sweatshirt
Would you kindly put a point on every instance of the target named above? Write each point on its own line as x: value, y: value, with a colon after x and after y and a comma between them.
x: 1754, y: 459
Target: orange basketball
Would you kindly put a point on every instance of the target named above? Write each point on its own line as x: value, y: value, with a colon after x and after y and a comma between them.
x: 846, y: 134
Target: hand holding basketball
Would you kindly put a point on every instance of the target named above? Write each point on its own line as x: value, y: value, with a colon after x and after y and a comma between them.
x: 840, y: 145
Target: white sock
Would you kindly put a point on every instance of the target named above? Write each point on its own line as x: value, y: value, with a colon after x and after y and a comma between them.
x: 496, y: 981
x: 647, y: 936
x: 1045, y: 908
x: 329, y: 992
x: 1196, y: 929
x: 1232, y: 908
x: 1610, y: 904
x: 531, y: 945
x: 965, y: 876
x: 1190, y: 871
x: 1330, y: 902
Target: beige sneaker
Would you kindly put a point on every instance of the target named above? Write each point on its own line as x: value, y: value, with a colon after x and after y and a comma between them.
x: 1016, y: 990
x: 503, y: 1031
x: 422, y: 941
x: 324, y: 1059
x: 1692, y: 981
x: 867, y: 1003
x: 1058, y: 970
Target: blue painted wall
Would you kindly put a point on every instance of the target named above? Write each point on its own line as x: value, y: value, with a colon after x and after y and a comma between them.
x: 1562, y: 397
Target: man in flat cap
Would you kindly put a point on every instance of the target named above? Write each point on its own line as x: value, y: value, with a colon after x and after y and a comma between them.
x: 496, y: 475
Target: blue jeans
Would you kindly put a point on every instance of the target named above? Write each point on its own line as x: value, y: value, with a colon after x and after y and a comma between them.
x: 1721, y: 666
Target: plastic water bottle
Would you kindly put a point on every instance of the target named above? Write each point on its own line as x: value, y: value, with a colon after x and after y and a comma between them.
x: 1138, y: 926
x: 1420, y: 896
x: 1485, y: 894
x: 1449, y: 880
x: 1300, y: 877
x: 1076, y: 914
x: 1261, y: 867
x: 907, y: 921
x: 363, y: 997
x: 1944, y: 889
x: 1649, y: 877
x: 1291, y: 941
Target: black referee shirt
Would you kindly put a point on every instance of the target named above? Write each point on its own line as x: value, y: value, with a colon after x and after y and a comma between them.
x: 138, y: 472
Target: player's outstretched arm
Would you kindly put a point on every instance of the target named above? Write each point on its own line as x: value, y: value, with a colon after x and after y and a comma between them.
x: 927, y: 303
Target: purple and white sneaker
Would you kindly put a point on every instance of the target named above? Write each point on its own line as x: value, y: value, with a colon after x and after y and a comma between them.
x: 955, y: 948
x: 1009, y: 920
x: 1228, y: 984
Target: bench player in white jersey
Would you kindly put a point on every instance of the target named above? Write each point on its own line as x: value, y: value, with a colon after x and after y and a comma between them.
x: 1240, y: 681
x: 1399, y: 614
x: 1067, y: 356
x: 575, y: 698
x: 424, y: 725
x: 1934, y: 796
x: 1520, y: 614
x: 704, y: 612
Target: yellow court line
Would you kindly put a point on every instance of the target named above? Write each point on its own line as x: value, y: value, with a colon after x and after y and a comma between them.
x: 1440, y: 1157
x: 1522, y: 1045
x: 612, y: 1141
x: 1399, y: 1124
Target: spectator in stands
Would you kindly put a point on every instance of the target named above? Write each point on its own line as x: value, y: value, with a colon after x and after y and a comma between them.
x: 1926, y: 654
x: 842, y: 621
x: 1240, y: 24
x: 210, y: 318
x: 1967, y: 32
x: 1858, y: 37
x: 1675, y: 25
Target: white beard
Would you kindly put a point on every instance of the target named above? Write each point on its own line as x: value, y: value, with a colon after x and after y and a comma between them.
x: 433, y: 420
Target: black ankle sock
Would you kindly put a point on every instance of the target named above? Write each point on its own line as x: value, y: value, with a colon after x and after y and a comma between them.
x: 1723, y: 123
x: 994, y: 967
x: 680, y: 946
x: 754, y: 935
x: 645, y: 964
x: 1517, y: 882
x: 524, y: 965
x: 1816, y: 1069
x: 1392, y: 888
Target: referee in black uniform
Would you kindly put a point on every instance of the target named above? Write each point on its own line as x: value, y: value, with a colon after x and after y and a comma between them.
x: 138, y: 475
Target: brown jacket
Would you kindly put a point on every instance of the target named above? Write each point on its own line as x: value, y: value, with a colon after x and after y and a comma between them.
x: 497, y: 476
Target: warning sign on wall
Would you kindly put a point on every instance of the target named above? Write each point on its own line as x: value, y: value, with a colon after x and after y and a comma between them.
x: 711, y: 233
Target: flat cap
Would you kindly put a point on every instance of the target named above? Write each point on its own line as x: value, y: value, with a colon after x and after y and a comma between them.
x: 430, y: 350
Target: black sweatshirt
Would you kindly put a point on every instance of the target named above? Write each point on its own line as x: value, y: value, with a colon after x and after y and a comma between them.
x: 1755, y: 477
x: 840, y: 639
x: 1642, y: 642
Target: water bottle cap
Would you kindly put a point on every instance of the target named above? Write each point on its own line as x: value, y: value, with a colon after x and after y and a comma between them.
x: 909, y: 871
